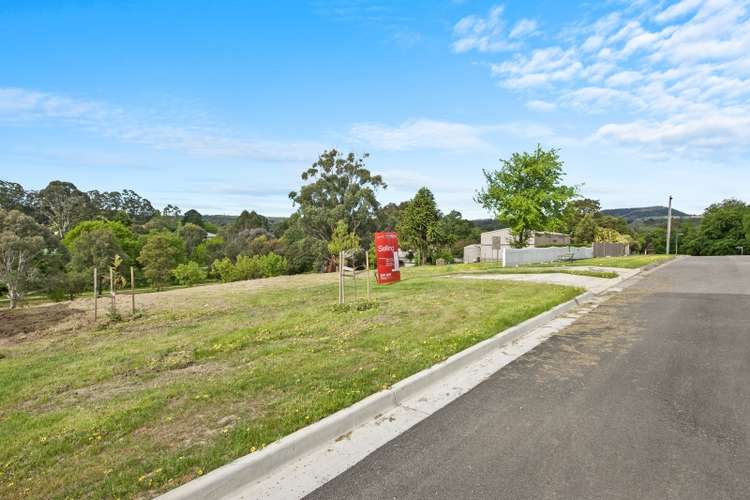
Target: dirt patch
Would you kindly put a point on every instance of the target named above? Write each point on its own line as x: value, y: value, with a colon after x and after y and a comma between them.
x: 33, y: 319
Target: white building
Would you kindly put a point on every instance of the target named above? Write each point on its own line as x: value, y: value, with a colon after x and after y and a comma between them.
x: 485, y: 253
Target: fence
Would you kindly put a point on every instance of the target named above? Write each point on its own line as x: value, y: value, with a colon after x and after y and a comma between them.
x: 519, y: 256
x: 611, y: 249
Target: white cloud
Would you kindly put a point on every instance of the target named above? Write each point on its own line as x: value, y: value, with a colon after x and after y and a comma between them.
x: 524, y: 27
x: 419, y: 134
x: 677, y: 74
x: 441, y: 135
x: 540, y: 105
x: 677, y: 10
x: 23, y: 107
x: 485, y: 34
x: 543, y: 67
x: 624, y: 78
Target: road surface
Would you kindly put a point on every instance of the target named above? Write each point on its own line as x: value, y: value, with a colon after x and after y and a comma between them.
x: 648, y: 396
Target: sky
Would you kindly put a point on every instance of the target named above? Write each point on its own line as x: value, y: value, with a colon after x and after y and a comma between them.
x: 220, y: 106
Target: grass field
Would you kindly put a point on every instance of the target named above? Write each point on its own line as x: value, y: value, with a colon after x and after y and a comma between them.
x: 204, y: 375
x: 629, y: 262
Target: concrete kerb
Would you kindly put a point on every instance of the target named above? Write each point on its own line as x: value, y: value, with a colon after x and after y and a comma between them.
x: 252, y: 467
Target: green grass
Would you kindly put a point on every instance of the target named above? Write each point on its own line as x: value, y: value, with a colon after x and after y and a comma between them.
x: 629, y: 262
x: 135, y: 408
x: 544, y: 270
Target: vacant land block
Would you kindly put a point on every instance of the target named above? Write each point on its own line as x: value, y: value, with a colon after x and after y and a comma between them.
x: 204, y: 375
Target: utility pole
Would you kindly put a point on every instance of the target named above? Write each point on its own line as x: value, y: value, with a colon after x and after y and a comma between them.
x: 669, y: 223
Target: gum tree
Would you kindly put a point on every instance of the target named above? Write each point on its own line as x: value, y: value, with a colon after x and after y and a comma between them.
x: 338, y: 188
x: 22, y: 240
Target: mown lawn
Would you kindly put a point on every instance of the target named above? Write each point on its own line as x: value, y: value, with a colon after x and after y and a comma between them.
x: 629, y: 262
x: 134, y: 408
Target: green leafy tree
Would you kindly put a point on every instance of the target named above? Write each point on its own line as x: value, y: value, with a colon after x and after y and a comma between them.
x: 389, y: 215
x: 161, y: 253
x: 459, y: 231
x: 574, y: 213
x: 723, y: 228
x: 189, y: 273
x: 161, y: 223
x: 585, y: 231
x: 304, y: 253
x: 63, y: 205
x: 251, y: 220
x: 209, y: 251
x: 126, y: 239
x: 419, y: 228
x: 225, y: 270
x: 14, y: 197
x: 339, y: 188
x: 527, y: 193
x: 193, y: 235
x: 96, y: 248
x: 193, y: 217
x: 272, y: 264
x: 342, y: 240
x: 22, y: 240
x: 171, y: 211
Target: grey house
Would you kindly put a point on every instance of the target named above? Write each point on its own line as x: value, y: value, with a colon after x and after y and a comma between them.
x: 485, y: 253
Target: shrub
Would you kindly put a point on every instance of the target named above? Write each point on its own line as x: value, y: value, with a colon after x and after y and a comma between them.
x: 224, y: 269
x: 189, y: 274
x: 247, y: 268
x: 272, y: 264
x: 161, y: 253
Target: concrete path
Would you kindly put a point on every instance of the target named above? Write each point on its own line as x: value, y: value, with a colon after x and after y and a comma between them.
x: 647, y: 396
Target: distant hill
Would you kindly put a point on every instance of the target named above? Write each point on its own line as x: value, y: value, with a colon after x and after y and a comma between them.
x: 643, y: 213
x: 487, y: 224
x: 223, y: 220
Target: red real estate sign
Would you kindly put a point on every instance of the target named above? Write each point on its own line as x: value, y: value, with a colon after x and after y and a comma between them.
x: 386, y: 254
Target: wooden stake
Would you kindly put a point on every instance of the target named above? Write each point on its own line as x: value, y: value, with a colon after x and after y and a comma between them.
x: 96, y: 294
x: 367, y: 270
x: 341, y: 277
x: 132, y: 290
x: 112, y: 288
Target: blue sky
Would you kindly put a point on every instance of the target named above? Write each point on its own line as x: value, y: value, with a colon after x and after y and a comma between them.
x: 220, y: 106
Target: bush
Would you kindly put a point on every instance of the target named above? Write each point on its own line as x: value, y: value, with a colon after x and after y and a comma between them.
x: 247, y: 268
x: 160, y: 255
x: 224, y: 269
x: 272, y: 264
x: 445, y: 255
x: 189, y: 274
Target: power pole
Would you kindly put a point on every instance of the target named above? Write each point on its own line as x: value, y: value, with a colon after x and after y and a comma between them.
x: 669, y: 223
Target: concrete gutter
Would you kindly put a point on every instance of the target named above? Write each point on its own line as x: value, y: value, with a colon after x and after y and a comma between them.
x: 245, y: 470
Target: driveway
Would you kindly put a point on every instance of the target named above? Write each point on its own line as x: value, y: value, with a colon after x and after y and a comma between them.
x: 647, y: 396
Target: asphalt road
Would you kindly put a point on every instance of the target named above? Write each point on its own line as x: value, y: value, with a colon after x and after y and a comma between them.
x: 648, y: 396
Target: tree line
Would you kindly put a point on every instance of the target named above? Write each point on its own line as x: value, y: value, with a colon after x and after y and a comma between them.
x: 52, y: 239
